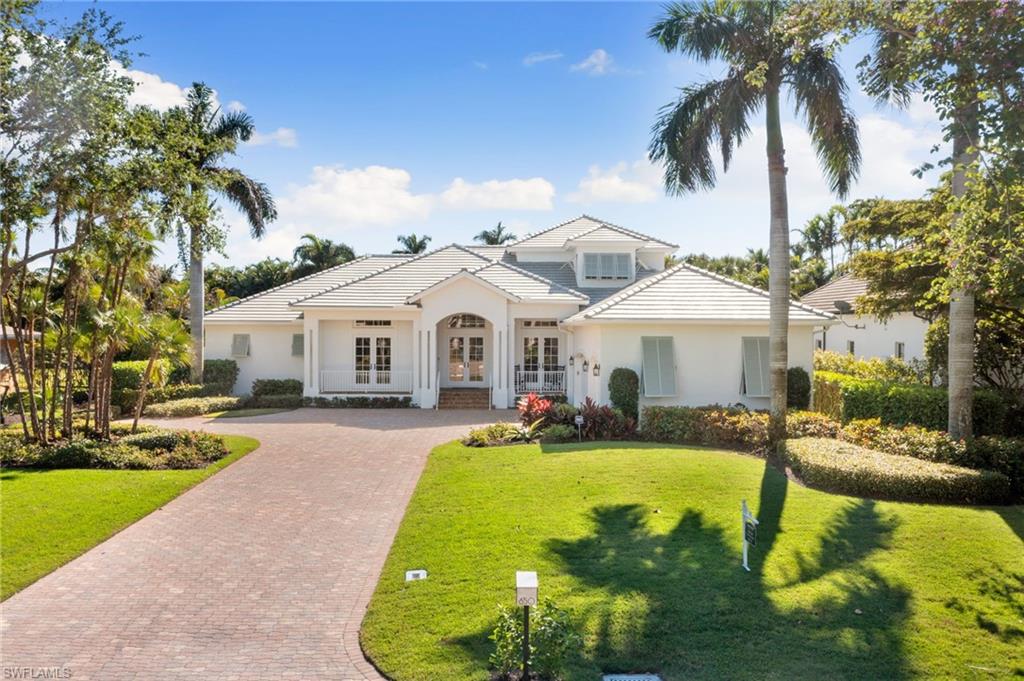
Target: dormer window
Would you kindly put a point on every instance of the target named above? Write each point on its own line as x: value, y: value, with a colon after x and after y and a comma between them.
x: 607, y: 267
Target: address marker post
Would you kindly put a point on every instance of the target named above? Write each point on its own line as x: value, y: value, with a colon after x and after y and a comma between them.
x: 526, y: 595
x: 749, y: 533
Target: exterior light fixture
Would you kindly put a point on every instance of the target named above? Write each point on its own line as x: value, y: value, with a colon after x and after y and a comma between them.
x: 586, y: 366
x: 572, y: 360
x: 597, y: 369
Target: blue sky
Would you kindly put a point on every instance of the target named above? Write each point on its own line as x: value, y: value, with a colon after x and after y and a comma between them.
x: 375, y: 120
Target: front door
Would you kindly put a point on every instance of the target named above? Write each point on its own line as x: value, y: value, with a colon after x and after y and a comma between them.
x: 466, y: 360
x: 373, y: 360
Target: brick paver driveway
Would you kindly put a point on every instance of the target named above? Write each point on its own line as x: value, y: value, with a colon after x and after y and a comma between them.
x: 262, y: 571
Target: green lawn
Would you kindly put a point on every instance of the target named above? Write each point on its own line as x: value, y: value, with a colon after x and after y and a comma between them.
x: 49, y: 517
x: 643, y: 544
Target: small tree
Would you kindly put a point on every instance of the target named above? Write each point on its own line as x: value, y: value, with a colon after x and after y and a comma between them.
x: 624, y: 391
x: 164, y: 337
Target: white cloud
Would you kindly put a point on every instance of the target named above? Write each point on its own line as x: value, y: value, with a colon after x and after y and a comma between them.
x: 539, y: 57
x: 282, y: 137
x: 638, y: 182
x: 482, y: 65
x: 152, y: 90
x: 598, y: 63
x: 341, y: 198
x: 535, y: 193
x: 235, y: 106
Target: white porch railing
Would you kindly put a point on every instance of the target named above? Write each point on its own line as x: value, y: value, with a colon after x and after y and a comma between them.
x: 369, y: 381
x: 540, y: 381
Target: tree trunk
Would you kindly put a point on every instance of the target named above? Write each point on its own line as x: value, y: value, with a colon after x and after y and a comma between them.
x: 141, y: 400
x: 960, y: 422
x: 778, y: 267
x: 196, y: 291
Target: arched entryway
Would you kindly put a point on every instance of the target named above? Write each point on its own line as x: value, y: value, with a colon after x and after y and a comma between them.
x: 465, y: 344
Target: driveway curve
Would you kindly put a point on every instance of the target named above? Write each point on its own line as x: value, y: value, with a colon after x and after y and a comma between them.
x: 262, y: 571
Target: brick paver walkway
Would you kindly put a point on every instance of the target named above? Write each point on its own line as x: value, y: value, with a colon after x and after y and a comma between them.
x: 262, y: 571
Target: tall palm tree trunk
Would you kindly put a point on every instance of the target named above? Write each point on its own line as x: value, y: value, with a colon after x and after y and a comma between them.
x: 778, y: 266
x: 961, y: 307
x: 196, y: 289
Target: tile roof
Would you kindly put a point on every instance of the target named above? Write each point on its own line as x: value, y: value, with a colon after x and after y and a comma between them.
x: 688, y: 293
x: 516, y: 283
x: 272, y: 305
x: 564, y: 274
x: 846, y: 287
x: 555, y: 237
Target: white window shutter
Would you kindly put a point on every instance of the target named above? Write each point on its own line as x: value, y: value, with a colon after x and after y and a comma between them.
x: 590, y: 266
x: 659, y: 366
x: 756, y: 366
x: 240, y: 345
x: 297, y: 344
x: 622, y: 266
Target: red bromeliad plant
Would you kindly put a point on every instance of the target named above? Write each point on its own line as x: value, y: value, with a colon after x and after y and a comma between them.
x: 533, y: 408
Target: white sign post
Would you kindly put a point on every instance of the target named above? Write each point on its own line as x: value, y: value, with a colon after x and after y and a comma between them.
x: 579, y: 426
x: 749, y: 533
x: 526, y: 595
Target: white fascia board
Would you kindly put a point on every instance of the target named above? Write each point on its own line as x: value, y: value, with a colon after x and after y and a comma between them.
x: 260, y: 322
x: 458, y: 276
x: 588, y: 321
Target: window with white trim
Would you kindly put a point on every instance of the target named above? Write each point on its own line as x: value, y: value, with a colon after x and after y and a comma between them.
x: 372, y: 322
x: 658, y: 370
x: 849, y: 347
x: 540, y: 323
x: 756, y: 367
x: 298, y: 342
x: 900, y: 350
x: 607, y: 266
x: 466, y: 321
x: 240, y: 345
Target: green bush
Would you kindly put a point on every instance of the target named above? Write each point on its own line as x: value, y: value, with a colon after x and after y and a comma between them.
x: 223, y: 372
x: 388, y: 402
x: 798, y: 388
x: 552, y: 640
x: 128, y: 376
x: 558, y: 432
x: 875, y: 368
x: 154, y: 439
x: 624, y: 390
x: 811, y: 424
x: 711, y: 426
x: 1002, y: 454
x: 193, y: 406
x: 276, y: 386
x: 173, y: 391
x: 846, y: 398
x: 847, y: 468
x: 495, y: 434
x: 275, y: 402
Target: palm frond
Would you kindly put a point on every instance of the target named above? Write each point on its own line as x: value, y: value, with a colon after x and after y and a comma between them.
x: 234, y: 125
x: 706, y: 31
x: 821, y: 93
x: 685, y: 131
x: 252, y: 198
x: 884, y: 73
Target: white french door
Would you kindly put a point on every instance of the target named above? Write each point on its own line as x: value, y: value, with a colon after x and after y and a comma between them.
x: 466, y: 364
x: 373, y: 360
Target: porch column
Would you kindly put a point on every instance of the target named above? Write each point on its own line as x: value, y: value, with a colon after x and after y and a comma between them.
x: 430, y: 366
x: 417, y: 352
x: 311, y: 355
x: 510, y: 361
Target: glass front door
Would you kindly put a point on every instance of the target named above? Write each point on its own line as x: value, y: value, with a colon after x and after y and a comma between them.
x: 373, y: 360
x: 466, y: 363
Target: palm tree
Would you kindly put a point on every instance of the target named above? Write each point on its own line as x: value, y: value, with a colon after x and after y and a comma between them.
x: 205, y: 135
x: 412, y: 244
x: 495, y: 237
x: 164, y: 337
x: 318, y: 254
x: 761, y: 61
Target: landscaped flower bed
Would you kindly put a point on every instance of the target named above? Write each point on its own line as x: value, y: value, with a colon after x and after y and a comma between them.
x: 150, y: 448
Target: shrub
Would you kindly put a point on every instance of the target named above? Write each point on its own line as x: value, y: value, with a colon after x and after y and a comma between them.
x: 552, y: 640
x: 1002, y: 454
x: 875, y: 368
x: 389, y: 402
x: 495, y: 434
x: 193, y: 406
x: 558, y: 432
x: 223, y: 372
x: 276, y: 401
x: 601, y: 422
x: 624, y: 391
x: 174, y: 391
x: 276, y: 386
x: 563, y: 413
x: 154, y: 439
x: 151, y: 449
x: 847, y: 397
x: 533, y: 408
x: 811, y: 424
x: 128, y: 376
x: 850, y: 469
x: 798, y: 388
x: 711, y: 426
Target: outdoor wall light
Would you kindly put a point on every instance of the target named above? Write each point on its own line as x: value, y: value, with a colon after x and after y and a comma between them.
x: 572, y: 360
x: 597, y: 369
x: 586, y: 366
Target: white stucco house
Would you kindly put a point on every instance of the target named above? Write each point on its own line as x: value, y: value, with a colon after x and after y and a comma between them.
x: 554, y: 312
x: 863, y: 335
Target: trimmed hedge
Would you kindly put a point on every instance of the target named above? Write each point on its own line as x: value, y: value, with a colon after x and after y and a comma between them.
x: 276, y: 402
x: 711, y: 426
x: 846, y: 398
x: 262, y: 387
x: 624, y: 391
x: 847, y: 468
x: 221, y: 372
x: 178, y: 391
x: 193, y: 406
x: 798, y: 388
x: 388, y: 402
x: 127, y: 376
x: 146, y: 450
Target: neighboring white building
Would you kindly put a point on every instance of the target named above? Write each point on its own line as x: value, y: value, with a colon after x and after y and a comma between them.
x: 902, y: 336
x: 554, y: 312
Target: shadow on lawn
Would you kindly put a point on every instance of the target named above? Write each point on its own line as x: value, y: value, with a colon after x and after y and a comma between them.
x: 680, y: 604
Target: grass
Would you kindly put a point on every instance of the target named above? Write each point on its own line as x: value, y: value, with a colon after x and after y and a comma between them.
x: 258, y: 411
x: 50, y: 517
x: 643, y: 544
